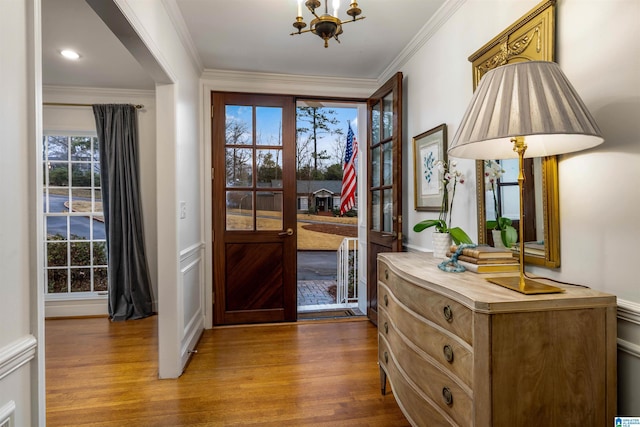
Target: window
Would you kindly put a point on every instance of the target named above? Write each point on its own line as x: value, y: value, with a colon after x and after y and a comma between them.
x: 75, y: 239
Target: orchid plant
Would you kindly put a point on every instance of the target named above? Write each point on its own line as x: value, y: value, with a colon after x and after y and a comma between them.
x: 492, y: 173
x: 451, y: 177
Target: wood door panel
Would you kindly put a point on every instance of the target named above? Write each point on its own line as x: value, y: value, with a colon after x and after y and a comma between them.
x: 244, y: 264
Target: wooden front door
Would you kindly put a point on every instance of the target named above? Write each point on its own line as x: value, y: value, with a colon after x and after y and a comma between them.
x: 384, y: 181
x: 254, y: 208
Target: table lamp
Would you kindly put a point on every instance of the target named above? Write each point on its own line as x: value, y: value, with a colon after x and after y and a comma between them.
x: 525, y: 109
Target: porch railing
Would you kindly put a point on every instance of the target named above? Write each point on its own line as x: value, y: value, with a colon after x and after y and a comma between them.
x: 347, y: 286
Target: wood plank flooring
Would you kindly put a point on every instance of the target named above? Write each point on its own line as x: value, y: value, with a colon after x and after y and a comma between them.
x: 311, y: 373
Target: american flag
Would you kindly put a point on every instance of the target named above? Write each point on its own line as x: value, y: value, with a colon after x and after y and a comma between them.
x: 348, y: 192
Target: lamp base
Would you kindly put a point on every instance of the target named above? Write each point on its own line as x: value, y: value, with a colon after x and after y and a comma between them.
x: 529, y: 287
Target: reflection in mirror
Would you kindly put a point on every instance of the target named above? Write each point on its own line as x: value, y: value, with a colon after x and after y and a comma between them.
x: 540, y: 207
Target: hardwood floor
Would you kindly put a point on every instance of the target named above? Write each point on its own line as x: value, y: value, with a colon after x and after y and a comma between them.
x: 100, y: 373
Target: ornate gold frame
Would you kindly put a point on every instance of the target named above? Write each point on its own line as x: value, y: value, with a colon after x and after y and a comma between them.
x: 530, y: 38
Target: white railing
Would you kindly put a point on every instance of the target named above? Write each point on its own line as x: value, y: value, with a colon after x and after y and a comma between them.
x: 347, y: 290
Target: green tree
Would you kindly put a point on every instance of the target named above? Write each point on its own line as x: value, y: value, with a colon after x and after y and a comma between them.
x: 334, y: 172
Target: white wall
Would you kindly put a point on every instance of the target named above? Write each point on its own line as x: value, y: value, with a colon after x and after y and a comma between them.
x: 179, y: 180
x: 599, y: 196
x: 21, y: 324
x: 80, y: 119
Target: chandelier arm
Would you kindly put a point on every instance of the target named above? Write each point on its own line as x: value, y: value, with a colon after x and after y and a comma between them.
x: 352, y: 20
x: 301, y: 32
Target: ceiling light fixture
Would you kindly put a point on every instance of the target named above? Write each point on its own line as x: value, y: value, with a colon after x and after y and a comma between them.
x: 70, y: 54
x: 325, y: 26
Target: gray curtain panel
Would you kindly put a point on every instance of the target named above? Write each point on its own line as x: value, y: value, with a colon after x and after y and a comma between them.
x: 130, y: 292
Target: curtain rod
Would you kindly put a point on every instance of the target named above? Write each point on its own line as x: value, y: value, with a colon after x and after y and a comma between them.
x: 64, y: 104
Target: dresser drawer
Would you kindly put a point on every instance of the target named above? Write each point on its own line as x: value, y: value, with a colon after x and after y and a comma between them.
x: 444, y: 312
x: 440, y: 389
x: 446, y: 349
x: 412, y: 402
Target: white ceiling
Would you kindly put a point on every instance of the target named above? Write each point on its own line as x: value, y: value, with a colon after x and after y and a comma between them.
x: 242, y: 35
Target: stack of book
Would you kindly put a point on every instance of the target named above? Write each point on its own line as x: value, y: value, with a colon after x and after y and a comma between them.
x: 486, y: 259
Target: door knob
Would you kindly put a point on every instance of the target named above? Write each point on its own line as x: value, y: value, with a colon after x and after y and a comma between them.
x: 289, y: 232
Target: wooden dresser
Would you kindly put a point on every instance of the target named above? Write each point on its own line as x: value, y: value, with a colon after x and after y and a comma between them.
x: 460, y: 351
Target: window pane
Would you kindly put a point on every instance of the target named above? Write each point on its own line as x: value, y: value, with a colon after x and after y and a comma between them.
x: 268, y: 126
x: 56, y: 227
x: 375, y: 210
x: 80, y: 280
x: 80, y: 174
x: 511, y: 201
x: 100, y: 282
x: 375, y: 124
x: 269, y: 210
x: 56, y: 254
x: 58, y: 174
x: 239, y: 125
x: 95, y: 149
x: 80, y: 227
x: 510, y: 167
x: 269, y: 164
x: 239, y: 210
x: 80, y: 253
x: 81, y: 200
x: 99, y: 253
x: 81, y: 148
x: 387, y: 164
x: 57, y: 281
x: 387, y: 212
x: 57, y: 147
x: 375, y: 167
x: 239, y: 165
x: 387, y: 116
x: 99, y: 232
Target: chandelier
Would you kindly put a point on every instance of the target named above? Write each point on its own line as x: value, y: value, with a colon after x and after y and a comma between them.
x: 325, y: 26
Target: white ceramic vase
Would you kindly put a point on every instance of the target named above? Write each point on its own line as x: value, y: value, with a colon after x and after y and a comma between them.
x: 497, y: 239
x: 441, y: 244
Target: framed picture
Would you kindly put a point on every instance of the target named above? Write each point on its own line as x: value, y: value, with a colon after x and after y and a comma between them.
x: 428, y: 148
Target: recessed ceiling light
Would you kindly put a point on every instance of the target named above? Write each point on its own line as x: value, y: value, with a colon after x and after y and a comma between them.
x: 70, y: 54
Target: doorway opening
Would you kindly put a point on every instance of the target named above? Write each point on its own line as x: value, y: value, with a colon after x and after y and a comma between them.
x: 327, y: 174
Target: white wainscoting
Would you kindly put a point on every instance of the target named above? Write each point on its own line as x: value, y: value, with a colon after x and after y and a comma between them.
x: 192, y: 295
x: 628, y: 358
x: 16, y: 354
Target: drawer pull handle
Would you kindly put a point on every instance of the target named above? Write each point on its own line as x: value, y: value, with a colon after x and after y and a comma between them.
x: 386, y: 300
x: 386, y: 357
x: 386, y: 328
x: 447, y: 396
x: 448, y: 353
x: 386, y: 274
x: 448, y: 313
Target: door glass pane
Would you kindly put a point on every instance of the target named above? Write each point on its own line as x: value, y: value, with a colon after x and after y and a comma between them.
x: 269, y: 164
x: 239, y: 165
x: 375, y: 210
x: 239, y: 125
x: 387, y: 116
x: 387, y: 164
x: 387, y: 212
x: 375, y: 167
x: 269, y: 210
x: 269, y: 126
x: 239, y: 210
x: 510, y: 167
x: 375, y: 124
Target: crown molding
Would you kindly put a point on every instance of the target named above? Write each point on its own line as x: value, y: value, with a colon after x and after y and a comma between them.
x: 247, y: 81
x: 51, y: 93
x: 177, y: 19
x: 439, y: 18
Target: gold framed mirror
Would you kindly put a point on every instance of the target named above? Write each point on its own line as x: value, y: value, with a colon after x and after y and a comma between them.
x: 530, y: 38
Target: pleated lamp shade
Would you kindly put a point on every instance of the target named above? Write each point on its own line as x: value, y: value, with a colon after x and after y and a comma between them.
x: 531, y: 99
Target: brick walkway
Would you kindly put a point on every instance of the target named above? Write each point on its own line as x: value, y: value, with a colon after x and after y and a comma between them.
x: 315, y: 292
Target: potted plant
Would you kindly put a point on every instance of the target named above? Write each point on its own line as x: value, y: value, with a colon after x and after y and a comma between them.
x: 450, y: 179
x: 501, y: 225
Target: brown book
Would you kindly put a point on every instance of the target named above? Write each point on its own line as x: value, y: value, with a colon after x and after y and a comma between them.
x: 484, y: 252
x: 479, y: 261
x: 490, y: 268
